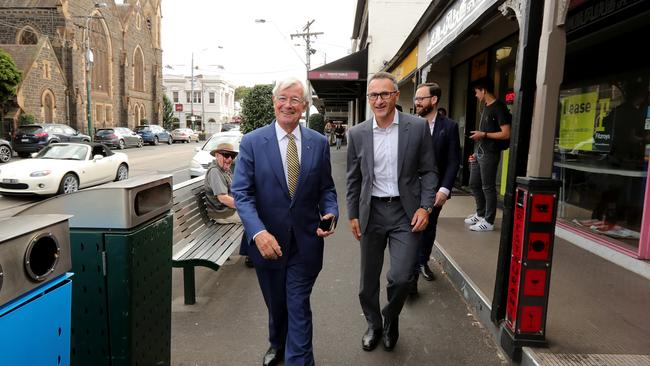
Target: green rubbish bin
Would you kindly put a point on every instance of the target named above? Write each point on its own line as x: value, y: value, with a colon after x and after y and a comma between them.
x: 121, y: 246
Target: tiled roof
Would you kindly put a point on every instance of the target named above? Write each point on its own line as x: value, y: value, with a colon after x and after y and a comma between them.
x: 29, y: 3
x: 23, y: 55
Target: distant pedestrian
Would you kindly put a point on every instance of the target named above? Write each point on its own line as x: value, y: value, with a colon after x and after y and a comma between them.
x: 446, y: 147
x: 442, y: 112
x: 339, y: 133
x: 391, y: 178
x: 328, y: 131
x: 492, y: 134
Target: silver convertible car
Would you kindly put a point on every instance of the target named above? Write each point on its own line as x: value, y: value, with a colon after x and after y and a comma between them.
x: 63, y: 168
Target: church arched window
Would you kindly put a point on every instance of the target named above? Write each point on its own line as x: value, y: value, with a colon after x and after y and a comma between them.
x: 101, y: 58
x: 27, y: 35
x: 138, y: 69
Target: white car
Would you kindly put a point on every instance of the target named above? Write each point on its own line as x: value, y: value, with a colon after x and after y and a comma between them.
x: 202, y: 158
x: 63, y: 168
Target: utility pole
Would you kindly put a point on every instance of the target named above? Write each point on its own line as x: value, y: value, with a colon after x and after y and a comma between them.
x: 192, y: 94
x: 306, y: 35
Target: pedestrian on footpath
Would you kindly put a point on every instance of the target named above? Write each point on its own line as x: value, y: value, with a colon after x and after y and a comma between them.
x: 339, y: 133
x: 446, y: 147
x: 491, y: 137
x: 390, y: 190
x: 283, y: 187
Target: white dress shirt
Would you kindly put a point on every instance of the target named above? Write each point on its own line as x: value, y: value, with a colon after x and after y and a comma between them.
x: 283, y: 142
x: 385, y: 140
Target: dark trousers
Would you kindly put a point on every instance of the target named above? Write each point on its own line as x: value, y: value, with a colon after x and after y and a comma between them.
x: 388, y: 225
x: 482, y: 181
x: 427, y: 240
x: 286, y: 293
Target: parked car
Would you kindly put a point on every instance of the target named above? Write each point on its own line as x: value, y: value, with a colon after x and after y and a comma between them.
x: 202, y: 158
x: 32, y: 138
x: 153, y: 134
x: 119, y: 137
x: 185, y: 135
x: 63, y: 168
x: 229, y: 126
x: 5, y: 151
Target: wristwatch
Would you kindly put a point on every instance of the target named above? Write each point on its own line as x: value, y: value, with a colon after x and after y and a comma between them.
x: 428, y: 209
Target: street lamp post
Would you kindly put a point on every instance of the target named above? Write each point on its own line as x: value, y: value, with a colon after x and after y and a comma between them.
x: 89, y: 66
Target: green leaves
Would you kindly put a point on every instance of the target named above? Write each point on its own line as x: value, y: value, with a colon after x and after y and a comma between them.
x: 317, y: 123
x: 10, y: 77
x: 257, y: 108
x: 168, y: 113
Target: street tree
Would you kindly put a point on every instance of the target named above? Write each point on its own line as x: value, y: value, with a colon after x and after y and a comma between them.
x: 241, y: 92
x: 257, y: 108
x: 168, y: 113
x: 317, y: 123
x: 10, y: 77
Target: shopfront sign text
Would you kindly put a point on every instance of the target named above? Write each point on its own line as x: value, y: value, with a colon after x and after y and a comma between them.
x: 458, y: 17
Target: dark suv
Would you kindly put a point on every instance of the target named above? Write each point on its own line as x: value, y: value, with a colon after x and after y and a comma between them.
x: 32, y: 138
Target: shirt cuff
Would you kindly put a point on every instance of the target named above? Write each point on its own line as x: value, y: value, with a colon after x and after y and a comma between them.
x: 258, y: 233
x: 444, y: 190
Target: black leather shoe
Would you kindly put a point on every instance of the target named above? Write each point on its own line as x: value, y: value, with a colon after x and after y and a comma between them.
x: 391, y: 334
x: 273, y: 357
x: 370, y: 339
x: 426, y: 272
x: 248, y: 262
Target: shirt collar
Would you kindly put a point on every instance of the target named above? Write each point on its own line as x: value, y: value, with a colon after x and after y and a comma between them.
x: 280, y: 133
x: 395, y: 120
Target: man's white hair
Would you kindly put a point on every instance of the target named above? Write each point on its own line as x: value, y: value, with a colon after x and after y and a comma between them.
x: 283, y: 84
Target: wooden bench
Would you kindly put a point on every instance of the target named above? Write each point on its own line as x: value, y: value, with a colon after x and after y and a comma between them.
x: 198, y: 240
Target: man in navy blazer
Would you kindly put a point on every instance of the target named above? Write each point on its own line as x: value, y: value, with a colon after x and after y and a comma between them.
x: 446, y: 147
x: 283, y: 187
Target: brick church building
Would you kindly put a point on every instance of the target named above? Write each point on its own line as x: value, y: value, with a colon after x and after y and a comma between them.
x: 48, y: 41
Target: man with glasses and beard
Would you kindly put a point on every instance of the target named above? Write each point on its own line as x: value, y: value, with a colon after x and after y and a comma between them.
x: 391, y: 178
x: 446, y: 148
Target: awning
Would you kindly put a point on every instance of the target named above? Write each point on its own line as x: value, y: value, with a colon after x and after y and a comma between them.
x: 341, y: 81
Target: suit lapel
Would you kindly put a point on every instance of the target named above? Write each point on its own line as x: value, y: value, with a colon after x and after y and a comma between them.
x: 368, y: 141
x: 402, y: 141
x: 273, y: 157
x: 306, y: 159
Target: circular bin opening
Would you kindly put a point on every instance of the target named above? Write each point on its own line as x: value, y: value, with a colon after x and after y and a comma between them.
x: 41, y: 256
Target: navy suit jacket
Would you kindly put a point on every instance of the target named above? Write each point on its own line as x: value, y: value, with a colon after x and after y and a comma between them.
x: 263, y: 202
x: 446, y: 147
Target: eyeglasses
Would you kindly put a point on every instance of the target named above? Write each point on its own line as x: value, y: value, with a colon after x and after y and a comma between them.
x: 227, y: 155
x: 383, y: 95
x: 419, y: 99
x: 295, y: 101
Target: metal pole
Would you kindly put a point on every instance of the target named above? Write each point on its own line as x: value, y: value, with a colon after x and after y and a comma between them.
x: 308, y: 51
x: 89, y: 63
x: 192, y: 93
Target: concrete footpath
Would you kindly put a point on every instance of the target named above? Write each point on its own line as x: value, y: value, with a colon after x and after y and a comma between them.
x: 228, y: 325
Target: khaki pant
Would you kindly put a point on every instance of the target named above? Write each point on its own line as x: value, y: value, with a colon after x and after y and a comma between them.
x: 220, y: 219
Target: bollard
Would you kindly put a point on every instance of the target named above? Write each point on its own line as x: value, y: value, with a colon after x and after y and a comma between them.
x: 530, y: 265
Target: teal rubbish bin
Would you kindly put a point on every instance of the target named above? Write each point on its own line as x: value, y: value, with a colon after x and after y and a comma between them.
x: 121, y: 245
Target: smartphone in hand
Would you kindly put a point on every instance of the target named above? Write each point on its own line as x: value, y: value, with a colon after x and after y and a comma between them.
x: 327, y: 224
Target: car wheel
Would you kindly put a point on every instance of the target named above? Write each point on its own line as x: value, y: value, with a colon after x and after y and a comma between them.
x: 5, y: 154
x: 140, y: 143
x: 121, y: 145
x: 69, y: 184
x: 155, y: 141
x: 169, y: 141
x: 122, y: 172
x: 85, y: 140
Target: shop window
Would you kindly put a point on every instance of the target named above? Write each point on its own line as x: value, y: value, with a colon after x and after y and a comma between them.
x: 211, y: 97
x: 601, y: 156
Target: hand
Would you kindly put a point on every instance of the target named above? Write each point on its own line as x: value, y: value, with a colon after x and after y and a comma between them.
x: 322, y: 233
x: 420, y: 220
x: 440, y: 200
x: 268, y: 246
x: 476, y: 135
x: 356, y: 229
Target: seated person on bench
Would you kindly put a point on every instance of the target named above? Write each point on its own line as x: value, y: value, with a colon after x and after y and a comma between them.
x: 219, y: 201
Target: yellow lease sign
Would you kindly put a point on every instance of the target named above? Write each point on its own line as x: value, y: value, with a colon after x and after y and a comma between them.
x: 577, y: 117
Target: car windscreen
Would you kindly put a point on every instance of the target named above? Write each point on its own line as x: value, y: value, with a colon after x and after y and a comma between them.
x: 64, y: 152
x: 29, y: 130
x: 107, y: 131
x: 216, y: 140
x: 142, y: 129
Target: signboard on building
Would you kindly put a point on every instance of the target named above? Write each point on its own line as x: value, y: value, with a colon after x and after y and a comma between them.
x: 407, y: 66
x: 582, y: 126
x: 333, y: 75
x: 178, y: 107
x: 459, y: 16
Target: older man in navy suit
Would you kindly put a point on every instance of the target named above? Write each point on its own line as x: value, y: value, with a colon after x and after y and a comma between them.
x: 446, y: 147
x: 283, y: 187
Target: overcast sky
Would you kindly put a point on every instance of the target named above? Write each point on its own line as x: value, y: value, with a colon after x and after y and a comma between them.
x: 252, y: 53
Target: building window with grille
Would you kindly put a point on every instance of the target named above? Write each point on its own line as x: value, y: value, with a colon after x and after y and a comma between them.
x: 138, y: 69
x: 175, y: 96
x: 211, y: 97
x: 197, y: 97
x: 188, y: 96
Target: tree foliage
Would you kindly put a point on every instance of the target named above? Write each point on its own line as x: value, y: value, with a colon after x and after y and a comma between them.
x: 257, y: 108
x: 26, y: 119
x: 241, y: 92
x: 168, y: 113
x: 10, y: 77
x: 317, y: 123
